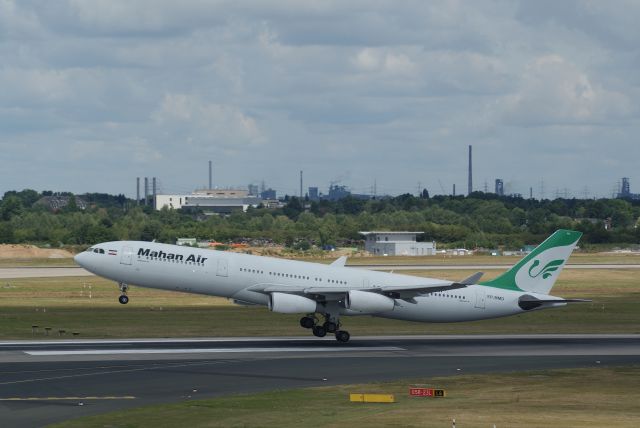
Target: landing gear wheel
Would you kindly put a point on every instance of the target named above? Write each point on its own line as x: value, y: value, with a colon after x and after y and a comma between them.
x: 319, y: 331
x: 330, y: 326
x: 307, y: 322
x: 123, y: 299
x: 342, y: 336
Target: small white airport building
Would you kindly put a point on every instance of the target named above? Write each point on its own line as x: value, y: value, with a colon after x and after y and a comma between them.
x: 397, y: 244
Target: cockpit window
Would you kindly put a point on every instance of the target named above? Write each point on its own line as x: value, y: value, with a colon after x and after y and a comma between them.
x: 98, y: 250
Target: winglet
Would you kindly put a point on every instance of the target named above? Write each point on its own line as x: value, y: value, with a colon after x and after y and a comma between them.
x: 473, y: 279
x: 339, y: 262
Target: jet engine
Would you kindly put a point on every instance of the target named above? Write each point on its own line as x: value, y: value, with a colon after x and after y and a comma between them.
x: 369, y: 303
x: 291, y: 304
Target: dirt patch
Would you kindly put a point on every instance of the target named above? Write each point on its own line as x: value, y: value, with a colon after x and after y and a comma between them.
x: 8, y: 251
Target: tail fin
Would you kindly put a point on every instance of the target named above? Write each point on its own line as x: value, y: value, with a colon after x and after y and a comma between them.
x: 538, y: 271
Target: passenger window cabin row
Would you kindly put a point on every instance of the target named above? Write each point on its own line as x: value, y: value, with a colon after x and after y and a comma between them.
x: 292, y: 276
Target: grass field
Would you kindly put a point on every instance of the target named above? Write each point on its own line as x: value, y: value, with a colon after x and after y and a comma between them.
x: 576, y: 258
x: 556, y: 398
x: 44, y: 262
x: 64, y: 303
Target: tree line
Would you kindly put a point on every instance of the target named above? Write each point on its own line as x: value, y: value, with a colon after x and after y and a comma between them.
x: 478, y: 220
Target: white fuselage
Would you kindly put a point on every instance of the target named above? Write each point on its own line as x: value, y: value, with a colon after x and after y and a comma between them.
x: 233, y: 275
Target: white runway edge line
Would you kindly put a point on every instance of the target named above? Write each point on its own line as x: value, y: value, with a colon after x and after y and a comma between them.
x: 212, y: 350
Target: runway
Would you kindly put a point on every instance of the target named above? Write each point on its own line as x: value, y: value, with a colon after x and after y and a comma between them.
x: 45, y: 382
x: 53, y: 272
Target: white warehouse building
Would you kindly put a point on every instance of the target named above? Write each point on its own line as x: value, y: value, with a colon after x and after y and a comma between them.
x: 222, y: 201
x: 397, y: 244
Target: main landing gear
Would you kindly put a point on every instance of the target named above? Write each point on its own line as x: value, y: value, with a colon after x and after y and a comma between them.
x: 331, y: 325
x: 123, y: 299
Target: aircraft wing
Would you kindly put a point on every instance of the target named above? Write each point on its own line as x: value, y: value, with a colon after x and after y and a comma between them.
x: 336, y: 293
x: 339, y: 262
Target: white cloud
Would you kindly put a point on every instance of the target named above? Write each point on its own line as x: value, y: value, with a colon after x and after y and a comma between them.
x: 225, y: 124
x: 388, y: 89
x: 554, y: 91
x: 384, y: 61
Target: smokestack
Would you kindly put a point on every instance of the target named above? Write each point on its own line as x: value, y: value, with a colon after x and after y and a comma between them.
x: 137, y: 190
x: 470, y: 173
x: 454, y: 189
x: 146, y: 190
x: 153, y: 192
x: 300, y: 184
x: 210, y: 176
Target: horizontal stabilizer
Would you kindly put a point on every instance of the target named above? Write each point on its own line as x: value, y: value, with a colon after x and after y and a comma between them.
x: 528, y: 302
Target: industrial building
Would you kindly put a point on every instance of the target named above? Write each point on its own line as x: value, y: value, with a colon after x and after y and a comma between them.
x: 625, y: 190
x: 499, y: 187
x: 211, y: 201
x: 397, y: 244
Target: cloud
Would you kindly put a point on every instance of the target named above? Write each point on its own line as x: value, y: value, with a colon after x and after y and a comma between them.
x: 182, y: 114
x: 387, y: 90
x: 554, y: 91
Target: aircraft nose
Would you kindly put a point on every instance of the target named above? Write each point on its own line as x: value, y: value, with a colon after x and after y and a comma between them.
x: 80, y: 258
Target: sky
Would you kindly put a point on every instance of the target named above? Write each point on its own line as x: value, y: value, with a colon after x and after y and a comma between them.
x: 96, y: 93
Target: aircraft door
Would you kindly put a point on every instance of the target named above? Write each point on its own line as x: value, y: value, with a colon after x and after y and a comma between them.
x: 127, y: 255
x: 480, y: 297
x: 223, y: 268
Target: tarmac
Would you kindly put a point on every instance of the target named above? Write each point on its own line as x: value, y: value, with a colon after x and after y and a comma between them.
x: 43, y: 382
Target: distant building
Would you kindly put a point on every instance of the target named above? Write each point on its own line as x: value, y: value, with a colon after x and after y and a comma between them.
x: 313, y: 194
x: 337, y: 192
x: 625, y: 190
x: 397, y: 244
x: 55, y: 203
x: 253, y: 190
x: 187, y: 241
x: 268, y: 194
x: 499, y: 187
x: 210, y: 201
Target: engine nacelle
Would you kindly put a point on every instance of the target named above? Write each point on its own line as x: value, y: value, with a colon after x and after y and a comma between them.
x: 369, y: 303
x: 291, y: 304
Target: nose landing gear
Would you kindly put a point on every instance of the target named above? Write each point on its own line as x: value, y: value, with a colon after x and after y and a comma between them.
x: 123, y: 299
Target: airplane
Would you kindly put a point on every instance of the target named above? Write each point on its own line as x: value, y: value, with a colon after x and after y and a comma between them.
x: 334, y: 290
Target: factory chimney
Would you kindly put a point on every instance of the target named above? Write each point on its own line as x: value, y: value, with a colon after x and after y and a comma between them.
x: 137, y: 190
x: 146, y: 190
x: 210, y: 176
x: 301, y: 185
x: 470, y: 189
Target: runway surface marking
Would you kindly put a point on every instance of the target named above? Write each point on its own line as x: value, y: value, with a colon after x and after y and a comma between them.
x: 211, y: 350
x: 127, y: 370
x: 109, y: 397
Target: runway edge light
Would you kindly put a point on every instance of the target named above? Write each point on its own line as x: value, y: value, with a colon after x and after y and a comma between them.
x: 372, y: 398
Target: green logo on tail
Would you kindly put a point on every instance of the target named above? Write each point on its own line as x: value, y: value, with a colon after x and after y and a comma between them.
x: 547, y: 271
